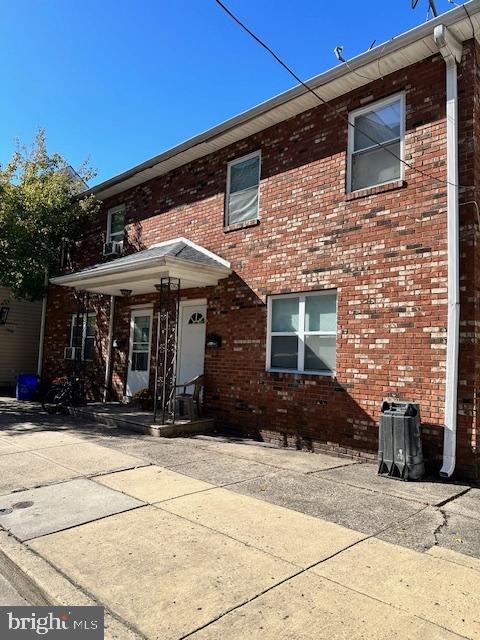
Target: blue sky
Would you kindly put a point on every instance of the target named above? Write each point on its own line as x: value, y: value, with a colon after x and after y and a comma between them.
x: 122, y: 80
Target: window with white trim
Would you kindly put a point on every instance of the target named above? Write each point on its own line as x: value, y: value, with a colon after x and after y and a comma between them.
x: 375, y: 143
x: 82, y: 332
x: 243, y: 186
x: 116, y: 224
x: 302, y: 330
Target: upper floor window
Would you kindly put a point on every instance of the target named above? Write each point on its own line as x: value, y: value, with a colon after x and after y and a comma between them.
x: 243, y: 184
x: 82, y: 335
x: 375, y: 129
x: 301, y: 332
x: 116, y: 224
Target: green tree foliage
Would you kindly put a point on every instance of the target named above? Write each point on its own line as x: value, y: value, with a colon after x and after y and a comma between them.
x: 41, y: 211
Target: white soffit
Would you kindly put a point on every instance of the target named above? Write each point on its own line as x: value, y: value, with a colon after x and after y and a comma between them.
x: 395, y: 54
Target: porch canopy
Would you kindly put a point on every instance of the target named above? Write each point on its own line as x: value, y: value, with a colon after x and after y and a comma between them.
x: 139, y: 272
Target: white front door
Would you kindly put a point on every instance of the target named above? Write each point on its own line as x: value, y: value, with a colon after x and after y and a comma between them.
x: 191, y: 353
x: 139, y: 352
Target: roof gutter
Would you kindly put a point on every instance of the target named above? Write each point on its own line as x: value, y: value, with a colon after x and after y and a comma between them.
x: 317, y: 82
x: 451, y: 50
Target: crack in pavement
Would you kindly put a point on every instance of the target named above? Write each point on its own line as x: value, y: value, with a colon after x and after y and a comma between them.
x: 441, y: 526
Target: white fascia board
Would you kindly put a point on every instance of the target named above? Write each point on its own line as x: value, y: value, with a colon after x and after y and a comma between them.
x: 140, y: 270
x: 110, y: 269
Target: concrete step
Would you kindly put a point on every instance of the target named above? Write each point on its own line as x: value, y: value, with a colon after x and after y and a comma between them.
x: 141, y: 423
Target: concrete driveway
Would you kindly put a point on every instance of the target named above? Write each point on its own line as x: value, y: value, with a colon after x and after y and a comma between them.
x: 207, y: 538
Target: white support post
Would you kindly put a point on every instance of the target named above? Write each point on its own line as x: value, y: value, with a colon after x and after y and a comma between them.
x: 108, y: 367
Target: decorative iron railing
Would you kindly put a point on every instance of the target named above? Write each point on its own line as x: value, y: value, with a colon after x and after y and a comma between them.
x: 166, y: 350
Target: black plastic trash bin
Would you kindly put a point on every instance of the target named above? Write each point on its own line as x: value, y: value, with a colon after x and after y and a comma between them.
x: 400, y: 452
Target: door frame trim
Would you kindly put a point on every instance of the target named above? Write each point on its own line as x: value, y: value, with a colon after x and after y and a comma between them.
x: 184, y: 304
x: 146, y: 311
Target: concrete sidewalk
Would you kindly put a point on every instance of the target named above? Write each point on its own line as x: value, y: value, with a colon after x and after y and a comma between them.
x: 209, y: 538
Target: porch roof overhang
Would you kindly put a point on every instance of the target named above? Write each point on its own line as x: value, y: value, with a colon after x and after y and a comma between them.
x: 139, y: 272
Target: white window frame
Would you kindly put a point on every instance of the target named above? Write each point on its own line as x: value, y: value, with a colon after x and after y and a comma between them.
x: 140, y: 312
x: 232, y: 163
x: 111, y: 213
x: 84, y: 316
x: 300, y: 334
x: 351, y: 131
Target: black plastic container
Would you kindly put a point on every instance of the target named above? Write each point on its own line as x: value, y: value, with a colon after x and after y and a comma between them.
x: 400, y: 452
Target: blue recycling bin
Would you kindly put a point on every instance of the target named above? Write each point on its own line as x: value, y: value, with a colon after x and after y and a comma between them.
x: 27, y: 385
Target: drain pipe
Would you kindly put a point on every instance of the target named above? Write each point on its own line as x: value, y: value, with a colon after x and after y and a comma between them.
x: 108, y: 368
x: 451, y: 50
x: 43, y: 321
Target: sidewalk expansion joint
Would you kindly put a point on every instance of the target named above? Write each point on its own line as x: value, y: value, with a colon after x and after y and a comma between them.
x: 338, y: 466
x: 262, y: 462
x: 100, y: 474
x: 87, y: 476
x: 396, y: 607
x: 385, y: 493
x: 82, y: 524
x: 181, y: 464
x: 296, y: 574
x: 212, y: 488
x: 230, y: 537
x: 86, y: 592
x: 453, y: 498
x: 95, y: 473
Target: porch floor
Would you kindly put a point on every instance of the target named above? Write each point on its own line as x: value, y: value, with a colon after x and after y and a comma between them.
x: 115, y: 414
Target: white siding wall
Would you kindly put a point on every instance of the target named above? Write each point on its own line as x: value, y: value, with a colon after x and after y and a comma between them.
x: 19, y: 338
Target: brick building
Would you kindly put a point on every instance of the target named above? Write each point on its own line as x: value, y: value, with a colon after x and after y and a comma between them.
x: 317, y: 248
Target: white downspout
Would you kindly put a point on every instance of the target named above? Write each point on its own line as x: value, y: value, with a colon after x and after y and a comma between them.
x: 42, y: 329
x: 108, y: 368
x: 451, y: 50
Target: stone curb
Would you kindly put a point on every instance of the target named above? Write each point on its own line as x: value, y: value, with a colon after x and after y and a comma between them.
x: 41, y: 585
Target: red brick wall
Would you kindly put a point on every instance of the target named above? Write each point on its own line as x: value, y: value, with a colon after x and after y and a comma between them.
x: 384, y: 252
x: 62, y: 305
x: 468, y: 437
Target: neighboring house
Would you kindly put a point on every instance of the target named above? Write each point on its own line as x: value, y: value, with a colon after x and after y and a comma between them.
x: 314, y: 265
x: 19, y: 337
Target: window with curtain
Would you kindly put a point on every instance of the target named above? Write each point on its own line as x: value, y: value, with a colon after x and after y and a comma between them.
x: 376, y: 143
x: 302, y: 332
x: 243, y: 184
x: 83, y: 329
x: 116, y: 224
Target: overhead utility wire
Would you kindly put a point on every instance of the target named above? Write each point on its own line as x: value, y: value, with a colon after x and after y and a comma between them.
x: 470, y: 19
x: 331, y: 107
